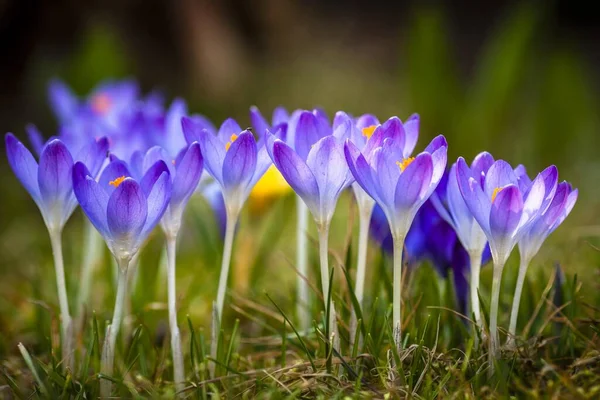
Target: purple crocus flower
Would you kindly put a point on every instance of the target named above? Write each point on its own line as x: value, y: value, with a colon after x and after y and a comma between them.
x: 400, y: 185
x: 557, y: 206
x: 232, y: 158
x: 450, y: 204
x: 184, y: 170
x: 50, y: 186
x: 261, y: 125
x: 121, y: 208
x: 504, y: 210
x: 49, y: 183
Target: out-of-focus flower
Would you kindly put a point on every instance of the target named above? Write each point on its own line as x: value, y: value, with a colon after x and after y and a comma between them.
x: 121, y: 208
x: 50, y: 183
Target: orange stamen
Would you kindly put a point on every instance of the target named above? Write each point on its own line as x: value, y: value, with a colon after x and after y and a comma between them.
x: 495, y: 193
x: 117, y: 181
x: 404, y: 163
x: 368, y: 131
x: 101, y: 103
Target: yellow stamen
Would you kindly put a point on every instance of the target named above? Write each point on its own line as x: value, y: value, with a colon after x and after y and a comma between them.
x: 368, y: 131
x: 117, y: 181
x: 495, y: 193
x: 404, y: 163
x: 231, y: 140
x: 101, y: 103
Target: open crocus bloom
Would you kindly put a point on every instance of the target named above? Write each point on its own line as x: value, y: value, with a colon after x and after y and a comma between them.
x: 232, y: 157
x: 561, y: 204
x: 501, y: 208
x: 122, y: 209
x: 50, y: 183
x: 184, y: 171
x: 399, y: 185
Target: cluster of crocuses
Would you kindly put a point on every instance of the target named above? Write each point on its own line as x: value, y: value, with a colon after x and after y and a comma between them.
x: 132, y: 164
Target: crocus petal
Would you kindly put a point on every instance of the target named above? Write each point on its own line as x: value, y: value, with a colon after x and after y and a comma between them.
x: 158, y: 201
x: 228, y: 127
x: 213, y: 152
x: 155, y: 154
x: 127, y: 210
x: 481, y: 164
x: 114, y: 170
x: 414, y: 182
x: 136, y: 165
x: 55, y: 177
x: 550, y: 176
x: 505, y: 215
x: 307, y: 134
x: 24, y: 166
x: 175, y: 139
x: 523, y: 178
x: 569, y: 204
x: 394, y: 130
x: 151, y: 176
x: 240, y: 162
x: 533, y: 202
x: 329, y: 168
x: 499, y: 175
x: 366, y: 120
x: 191, y: 129
x: 93, y: 155
x: 473, y: 195
x: 297, y: 174
x: 91, y: 197
x: 63, y: 102
x: 360, y: 169
x: 280, y: 116
x: 259, y: 123
x: 411, y: 129
x: 188, y: 175
x: 35, y: 138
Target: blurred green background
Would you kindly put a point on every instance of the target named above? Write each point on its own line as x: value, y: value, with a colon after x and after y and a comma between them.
x: 518, y: 79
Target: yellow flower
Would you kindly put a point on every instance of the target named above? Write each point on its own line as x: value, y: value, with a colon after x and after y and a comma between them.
x: 269, y: 187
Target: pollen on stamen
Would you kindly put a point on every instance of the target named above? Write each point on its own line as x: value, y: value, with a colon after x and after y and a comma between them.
x: 117, y: 181
x: 404, y: 163
x: 368, y: 131
x: 495, y: 193
x: 231, y: 140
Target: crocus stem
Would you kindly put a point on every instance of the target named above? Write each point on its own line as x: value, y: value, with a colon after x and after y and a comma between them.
x: 475, y: 259
x: 324, y: 260
x: 108, y: 351
x: 302, y: 290
x: 66, y: 323
x: 512, y: 328
x: 361, y: 265
x: 92, y: 252
x: 397, y: 296
x: 228, y: 244
x: 178, y: 371
x: 494, y: 340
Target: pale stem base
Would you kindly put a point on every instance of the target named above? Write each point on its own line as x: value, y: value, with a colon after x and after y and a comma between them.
x: 512, y: 328
x: 66, y: 322
x: 494, y: 338
x: 91, y: 256
x: 302, y: 289
x: 361, y: 266
x: 324, y: 261
x: 112, y: 331
x: 397, y: 294
x: 228, y: 244
x: 178, y: 368
x: 475, y: 260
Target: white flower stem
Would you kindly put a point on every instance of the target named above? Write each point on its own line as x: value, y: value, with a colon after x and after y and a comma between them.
x: 228, y: 244
x: 66, y: 323
x: 178, y: 369
x: 92, y: 252
x: 397, y: 294
x: 494, y: 339
x: 331, y: 326
x: 302, y: 289
x: 108, y: 351
x: 361, y: 264
x: 475, y: 261
x: 512, y: 328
